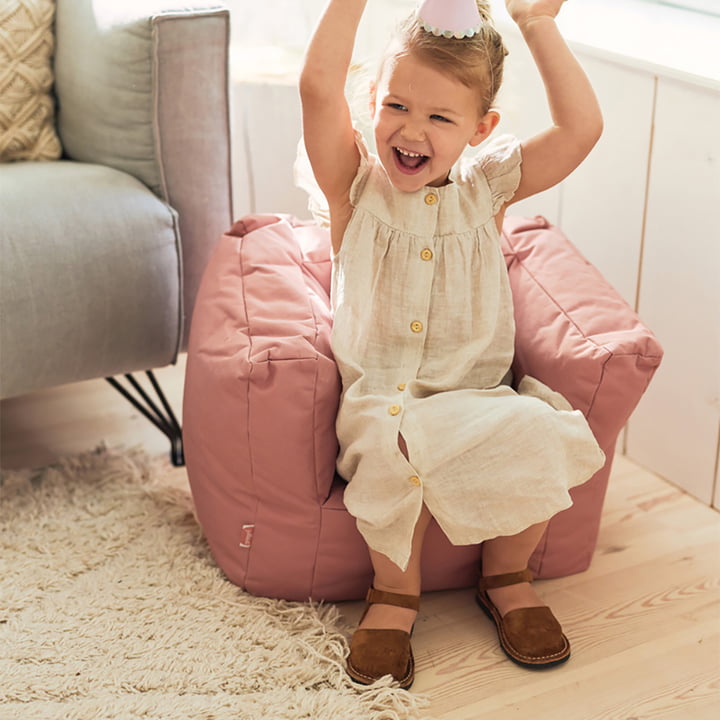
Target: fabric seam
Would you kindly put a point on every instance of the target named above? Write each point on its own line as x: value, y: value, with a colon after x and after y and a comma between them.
x: 248, y: 382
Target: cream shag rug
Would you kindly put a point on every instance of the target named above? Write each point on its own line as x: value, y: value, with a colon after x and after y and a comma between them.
x: 112, y: 608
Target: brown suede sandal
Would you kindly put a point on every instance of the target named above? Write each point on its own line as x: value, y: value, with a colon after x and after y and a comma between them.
x: 531, y: 637
x: 376, y: 653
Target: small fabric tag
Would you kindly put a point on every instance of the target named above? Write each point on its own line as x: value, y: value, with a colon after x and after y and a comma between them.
x: 246, y: 536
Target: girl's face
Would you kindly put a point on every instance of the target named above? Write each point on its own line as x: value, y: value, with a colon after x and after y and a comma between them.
x: 423, y: 121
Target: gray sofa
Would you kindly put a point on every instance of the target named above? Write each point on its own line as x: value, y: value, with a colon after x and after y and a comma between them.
x: 102, y: 250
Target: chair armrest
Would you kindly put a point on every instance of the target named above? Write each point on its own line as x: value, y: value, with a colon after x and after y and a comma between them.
x: 145, y: 90
x: 574, y: 332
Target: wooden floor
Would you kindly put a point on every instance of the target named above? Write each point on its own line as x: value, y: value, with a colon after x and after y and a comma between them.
x: 644, y: 621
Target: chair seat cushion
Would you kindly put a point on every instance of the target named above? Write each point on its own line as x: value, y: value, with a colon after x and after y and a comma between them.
x: 90, y: 275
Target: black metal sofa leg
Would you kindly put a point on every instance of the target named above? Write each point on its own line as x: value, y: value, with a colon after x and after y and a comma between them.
x: 163, y: 418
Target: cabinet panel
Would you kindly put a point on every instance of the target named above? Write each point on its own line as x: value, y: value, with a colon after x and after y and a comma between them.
x: 675, y: 429
x: 602, y: 202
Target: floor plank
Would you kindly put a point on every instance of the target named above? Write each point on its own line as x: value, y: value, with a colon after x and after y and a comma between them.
x: 644, y: 619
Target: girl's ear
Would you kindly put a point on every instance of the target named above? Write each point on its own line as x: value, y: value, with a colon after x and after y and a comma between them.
x: 486, y: 125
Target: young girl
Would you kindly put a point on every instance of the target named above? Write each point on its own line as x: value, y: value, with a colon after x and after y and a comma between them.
x: 423, y: 327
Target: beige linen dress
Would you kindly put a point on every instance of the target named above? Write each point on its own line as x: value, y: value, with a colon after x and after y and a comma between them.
x: 423, y: 336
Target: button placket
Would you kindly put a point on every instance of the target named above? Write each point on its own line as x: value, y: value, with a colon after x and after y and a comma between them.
x: 422, y: 274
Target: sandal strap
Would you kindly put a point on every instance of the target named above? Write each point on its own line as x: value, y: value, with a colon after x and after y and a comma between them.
x: 411, y: 602
x: 496, y: 581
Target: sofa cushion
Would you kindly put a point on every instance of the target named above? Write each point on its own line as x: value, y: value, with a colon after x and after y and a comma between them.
x: 27, y: 106
x: 90, y: 281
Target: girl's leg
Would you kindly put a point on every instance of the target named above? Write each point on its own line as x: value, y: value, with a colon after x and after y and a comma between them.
x: 390, y: 578
x: 511, y: 554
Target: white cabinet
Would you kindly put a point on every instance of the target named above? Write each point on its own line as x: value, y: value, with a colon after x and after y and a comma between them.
x: 675, y: 429
x: 602, y: 203
x: 643, y: 209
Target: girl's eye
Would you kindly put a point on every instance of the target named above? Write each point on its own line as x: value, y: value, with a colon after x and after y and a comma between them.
x: 440, y: 118
x: 397, y: 106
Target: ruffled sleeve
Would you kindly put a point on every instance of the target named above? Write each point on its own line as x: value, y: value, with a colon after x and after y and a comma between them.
x: 499, y: 162
x: 305, y: 180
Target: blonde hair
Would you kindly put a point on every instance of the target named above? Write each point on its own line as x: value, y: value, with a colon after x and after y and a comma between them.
x: 476, y: 61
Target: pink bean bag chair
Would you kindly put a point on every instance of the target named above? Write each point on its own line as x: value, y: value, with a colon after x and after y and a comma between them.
x: 262, y: 391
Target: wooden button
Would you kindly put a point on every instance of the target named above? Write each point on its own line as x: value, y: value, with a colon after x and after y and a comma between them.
x: 430, y: 199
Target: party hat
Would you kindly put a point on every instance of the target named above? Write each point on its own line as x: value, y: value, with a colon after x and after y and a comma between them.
x: 450, y: 18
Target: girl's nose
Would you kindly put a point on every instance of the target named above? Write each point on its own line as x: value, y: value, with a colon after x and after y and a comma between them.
x: 413, y: 131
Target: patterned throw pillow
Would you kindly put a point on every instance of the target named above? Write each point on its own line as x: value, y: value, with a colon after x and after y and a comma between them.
x: 26, y: 78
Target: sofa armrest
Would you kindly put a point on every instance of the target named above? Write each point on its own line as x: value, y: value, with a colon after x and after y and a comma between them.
x: 574, y: 332
x: 261, y: 395
x: 144, y: 89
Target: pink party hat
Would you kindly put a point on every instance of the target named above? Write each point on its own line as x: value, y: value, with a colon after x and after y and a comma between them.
x: 451, y: 18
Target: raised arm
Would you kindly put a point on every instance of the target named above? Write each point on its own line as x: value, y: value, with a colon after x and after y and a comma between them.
x: 327, y: 124
x: 577, y: 125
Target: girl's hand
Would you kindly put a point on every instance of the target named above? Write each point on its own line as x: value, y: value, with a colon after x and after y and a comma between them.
x: 522, y: 11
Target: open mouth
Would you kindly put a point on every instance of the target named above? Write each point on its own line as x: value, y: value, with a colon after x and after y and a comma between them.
x: 409, y: 162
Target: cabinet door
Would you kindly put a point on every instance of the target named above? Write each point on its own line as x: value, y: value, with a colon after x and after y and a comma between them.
x: 602, y: 202
x: 674, y: 431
